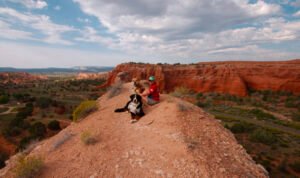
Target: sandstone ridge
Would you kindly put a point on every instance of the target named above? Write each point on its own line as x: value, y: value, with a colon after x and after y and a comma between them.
x: 173, y: 139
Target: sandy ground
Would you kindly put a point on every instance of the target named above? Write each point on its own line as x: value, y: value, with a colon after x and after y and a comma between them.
x: 166, y: 142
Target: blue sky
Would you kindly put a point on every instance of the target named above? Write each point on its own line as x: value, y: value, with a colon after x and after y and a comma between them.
x: 66, y: 33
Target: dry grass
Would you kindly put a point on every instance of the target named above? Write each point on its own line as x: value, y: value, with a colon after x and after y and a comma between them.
x: 87, y: 138
x: 84, y: 109
x: 115, y: 89
x: 28, y: 167
x: 183, y: 107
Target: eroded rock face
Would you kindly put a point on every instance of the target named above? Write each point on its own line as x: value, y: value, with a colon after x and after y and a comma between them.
x: 223, y: 77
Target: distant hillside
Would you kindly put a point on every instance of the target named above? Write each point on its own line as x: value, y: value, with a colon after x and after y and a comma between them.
x: 93, y: 69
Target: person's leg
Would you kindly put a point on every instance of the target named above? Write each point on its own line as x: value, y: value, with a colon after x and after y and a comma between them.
x: 151, y: 101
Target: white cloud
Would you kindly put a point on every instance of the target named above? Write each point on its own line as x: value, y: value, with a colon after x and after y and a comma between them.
x: 31, y: 4
x: 296, y: 3
x: 297, y: 14
x: 42, y: 23
x: 186, y: 28
x: 7, y: 32
x: 57, y: 8
x: 85, y: 20
x: 89, y: 34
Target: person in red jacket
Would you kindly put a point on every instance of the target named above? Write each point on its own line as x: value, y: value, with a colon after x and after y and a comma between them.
x: 153, y: 93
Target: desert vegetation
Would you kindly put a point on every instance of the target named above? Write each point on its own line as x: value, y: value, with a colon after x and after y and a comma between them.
x: 28, y: 167
x: 84, y: 109
x: 266, y: 123
x: 32, y: 111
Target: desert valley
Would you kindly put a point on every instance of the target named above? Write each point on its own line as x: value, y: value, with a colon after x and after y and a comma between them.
x: 208, y: 110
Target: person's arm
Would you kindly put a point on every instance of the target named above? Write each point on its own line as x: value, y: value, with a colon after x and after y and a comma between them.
x: 146, y: 92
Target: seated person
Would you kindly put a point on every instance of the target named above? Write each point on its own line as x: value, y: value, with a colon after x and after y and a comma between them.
x: 152, y: 93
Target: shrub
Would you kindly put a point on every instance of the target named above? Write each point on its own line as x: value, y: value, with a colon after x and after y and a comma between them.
x: 259, y: 114
x: 241, y: 127
x: 38, y: 130
x: 43, y: 102
x: 54, y: 125
x: 183, y: 107
x: 263, y: 136
x: 84, y: 109
x: 201, y: 104
x: 3, y: 158
x: 4, y: 99
x: 115, y: 90
x: 87, y: 138
x: 295, y: 166
x: 28, y: 167
x: 199, y: 95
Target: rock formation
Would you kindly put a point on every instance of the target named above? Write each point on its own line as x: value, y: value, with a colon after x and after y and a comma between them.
x: 235, y: 78
x: 167, y: 142
x: 19, y: 77
x: 100, y: 75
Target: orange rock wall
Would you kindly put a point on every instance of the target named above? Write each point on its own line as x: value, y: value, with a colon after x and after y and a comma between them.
x: 235, y: 78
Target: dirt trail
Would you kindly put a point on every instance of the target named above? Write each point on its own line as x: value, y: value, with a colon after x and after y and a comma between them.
x: 166, y: 142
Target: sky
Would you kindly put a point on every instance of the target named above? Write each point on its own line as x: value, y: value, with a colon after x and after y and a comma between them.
x: 66, y: 33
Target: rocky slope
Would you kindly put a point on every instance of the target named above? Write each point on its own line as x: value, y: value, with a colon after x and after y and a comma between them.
x: 224, y: 77
x: 173, y: 139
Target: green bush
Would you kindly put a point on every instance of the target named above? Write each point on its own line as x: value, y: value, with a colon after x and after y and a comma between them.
x: 54, y: 125
x: 3, y: 158
x: 84, y: 109
x: 263, y: 136
x: 241, y: 127
x: 38, y: 130
x: 43, y: 102
x: 295, y: 166
x: 28, y: 167
x: 259, y: 114
x: 199, y: 95
x: 4, y: 99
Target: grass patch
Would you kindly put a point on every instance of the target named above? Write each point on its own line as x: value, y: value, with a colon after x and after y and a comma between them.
x: 28, y: 167
x: 87, y: 138
x: 84, y: 109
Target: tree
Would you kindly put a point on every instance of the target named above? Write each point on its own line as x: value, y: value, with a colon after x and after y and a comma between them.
x: 4, y: 99
x: 43, y: 102
x: 54, y: 125
x: 38, y: 130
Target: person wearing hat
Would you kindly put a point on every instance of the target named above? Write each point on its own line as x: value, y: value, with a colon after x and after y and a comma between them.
x: 153, y: 93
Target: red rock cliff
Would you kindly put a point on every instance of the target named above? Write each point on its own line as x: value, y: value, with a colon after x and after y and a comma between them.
x: 222, y: 77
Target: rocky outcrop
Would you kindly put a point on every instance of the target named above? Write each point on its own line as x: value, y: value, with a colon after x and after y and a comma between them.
x: 19, y: 77
x: 235, y: 78
x: 100, y: 75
